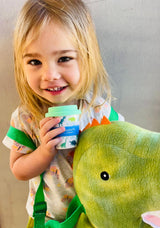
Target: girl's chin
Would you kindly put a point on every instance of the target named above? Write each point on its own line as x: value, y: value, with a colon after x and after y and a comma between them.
x: 66, y: 98
x: 60, y: 102
x: 70, y: 102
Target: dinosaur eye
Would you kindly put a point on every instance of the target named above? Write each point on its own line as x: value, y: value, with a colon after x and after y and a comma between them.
x: 104, y: 176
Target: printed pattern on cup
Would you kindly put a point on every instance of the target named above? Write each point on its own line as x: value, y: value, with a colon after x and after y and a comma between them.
x: 70, y: 135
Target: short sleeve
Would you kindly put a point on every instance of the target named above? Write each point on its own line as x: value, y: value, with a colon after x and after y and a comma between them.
x: 15, y: 146
x: 101, y: 109
x: 16, y: 139
x: 114, y: 116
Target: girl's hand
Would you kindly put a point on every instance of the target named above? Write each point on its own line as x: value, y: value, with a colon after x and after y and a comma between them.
x: 47, y: 136
x: 27, y: 166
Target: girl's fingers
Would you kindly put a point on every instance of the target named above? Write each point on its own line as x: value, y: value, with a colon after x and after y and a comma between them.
x: 53, y: 143
x: 46, y: 124
x: 49, y: 137
x: 53, y: 133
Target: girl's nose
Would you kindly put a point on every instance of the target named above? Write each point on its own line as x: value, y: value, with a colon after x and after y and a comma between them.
x: 51, y: 73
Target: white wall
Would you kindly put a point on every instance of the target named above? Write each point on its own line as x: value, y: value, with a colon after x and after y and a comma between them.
x: 129, y: 36
x: 13, y: 193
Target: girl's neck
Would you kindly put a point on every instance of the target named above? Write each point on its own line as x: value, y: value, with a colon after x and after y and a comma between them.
x: 73, y: 102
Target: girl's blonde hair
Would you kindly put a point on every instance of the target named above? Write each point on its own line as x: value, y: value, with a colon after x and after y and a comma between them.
x: 75, y: 17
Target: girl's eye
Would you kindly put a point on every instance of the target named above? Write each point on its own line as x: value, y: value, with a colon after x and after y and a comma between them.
x: 34, y: 62
x: 64, y: 59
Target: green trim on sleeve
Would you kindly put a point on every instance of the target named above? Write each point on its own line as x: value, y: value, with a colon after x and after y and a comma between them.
x: 113, y: 115
x: 20, y: 137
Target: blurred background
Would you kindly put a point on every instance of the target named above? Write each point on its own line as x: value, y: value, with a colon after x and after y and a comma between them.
x: 129, y: 39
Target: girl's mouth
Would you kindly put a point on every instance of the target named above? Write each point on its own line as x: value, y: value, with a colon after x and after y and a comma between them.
x: 56, y: 90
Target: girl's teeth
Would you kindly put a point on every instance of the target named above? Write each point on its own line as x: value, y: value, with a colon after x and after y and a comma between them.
x: 57, y: 89
x: 54, y: 89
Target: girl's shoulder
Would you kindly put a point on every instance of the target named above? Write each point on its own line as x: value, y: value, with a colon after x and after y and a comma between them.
x: 22, y: 120
x: 21, y: 126
x: 100, y: 109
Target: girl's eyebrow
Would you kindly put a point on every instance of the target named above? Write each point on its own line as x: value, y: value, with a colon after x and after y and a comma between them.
x: 28, y: 55
x: 36, y: 55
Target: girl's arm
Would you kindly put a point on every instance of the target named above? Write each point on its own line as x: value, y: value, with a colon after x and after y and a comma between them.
x: 27, y: 166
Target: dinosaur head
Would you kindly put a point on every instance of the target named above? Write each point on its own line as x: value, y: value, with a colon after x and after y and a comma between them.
x: 117, y: 174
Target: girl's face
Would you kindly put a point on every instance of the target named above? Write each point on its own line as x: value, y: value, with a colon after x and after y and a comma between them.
x: 51, y: 65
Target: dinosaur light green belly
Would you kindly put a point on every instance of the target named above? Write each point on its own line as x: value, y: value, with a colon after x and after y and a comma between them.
x: 117, y: 175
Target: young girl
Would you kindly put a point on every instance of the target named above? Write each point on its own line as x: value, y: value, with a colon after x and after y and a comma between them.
x: 57, y: 62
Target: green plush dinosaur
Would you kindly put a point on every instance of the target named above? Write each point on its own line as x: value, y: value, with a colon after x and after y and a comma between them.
x: 116, y: 172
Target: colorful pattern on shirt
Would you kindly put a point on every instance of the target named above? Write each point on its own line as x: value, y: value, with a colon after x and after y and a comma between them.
x: 58, y: 178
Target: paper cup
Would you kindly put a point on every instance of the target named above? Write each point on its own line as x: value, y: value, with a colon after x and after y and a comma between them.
x: 69, y: 116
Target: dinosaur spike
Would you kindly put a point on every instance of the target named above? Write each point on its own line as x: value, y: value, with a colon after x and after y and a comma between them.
x: 105, y: 120
x: 87, y: 126
x: 96, y: 123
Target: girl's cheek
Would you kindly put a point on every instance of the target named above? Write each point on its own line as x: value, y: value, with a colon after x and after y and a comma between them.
x: 74, y: 76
